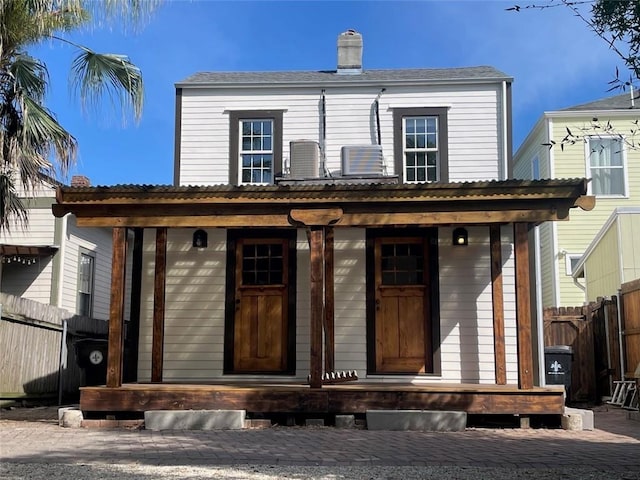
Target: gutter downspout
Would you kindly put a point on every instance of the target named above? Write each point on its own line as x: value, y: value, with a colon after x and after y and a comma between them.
x: 63, y: 249
x: 620, y: 334
x: 505, y: 133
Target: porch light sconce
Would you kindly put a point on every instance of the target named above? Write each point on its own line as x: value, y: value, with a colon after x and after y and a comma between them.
x: 199, y: 239
x: 460, y: 237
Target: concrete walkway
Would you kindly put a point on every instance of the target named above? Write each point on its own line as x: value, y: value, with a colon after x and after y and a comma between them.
x: 33, y: 437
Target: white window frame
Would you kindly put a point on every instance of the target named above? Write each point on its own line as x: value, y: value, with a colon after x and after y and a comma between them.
x: 588, y: 167
x: 242, y: 152
x: 426, y: 150
x: 535, y: 168
x: 91, y: 255
x: 568, y: 258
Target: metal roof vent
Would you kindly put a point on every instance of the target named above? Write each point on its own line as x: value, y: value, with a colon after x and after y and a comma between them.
x: 349, y: 53
x: 304, y: 159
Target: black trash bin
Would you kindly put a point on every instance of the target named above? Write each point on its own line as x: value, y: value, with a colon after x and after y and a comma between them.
x: 91, y: 355
x: 557, y: 365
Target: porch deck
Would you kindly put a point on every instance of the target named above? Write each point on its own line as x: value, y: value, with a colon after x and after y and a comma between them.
x: 350, y: 398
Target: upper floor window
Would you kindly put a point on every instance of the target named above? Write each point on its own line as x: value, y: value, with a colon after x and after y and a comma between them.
x: 605, y: 166
x: 420, y: 144
x: 256, y: 147
x: 86, y: 272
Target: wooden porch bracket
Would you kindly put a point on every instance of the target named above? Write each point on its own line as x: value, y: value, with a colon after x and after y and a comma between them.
x: 116, y: 309
x: 498, y: 305
x: 157, y: 349
x: 523, y: 305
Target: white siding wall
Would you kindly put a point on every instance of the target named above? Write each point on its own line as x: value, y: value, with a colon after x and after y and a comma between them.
x: 473, y: 120
x: 97, y: 241
x: 30, y: 281
x: 195, y: 296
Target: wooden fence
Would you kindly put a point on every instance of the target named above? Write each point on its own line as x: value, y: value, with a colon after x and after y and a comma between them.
x: 630, y: 300
x: 605, y: 338
x: 35, y: 361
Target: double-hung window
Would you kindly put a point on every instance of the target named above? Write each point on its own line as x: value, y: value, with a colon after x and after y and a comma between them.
x: 420, y: 144
x: 606, y: 166
x: 86, y: 273
x: 256, y: 147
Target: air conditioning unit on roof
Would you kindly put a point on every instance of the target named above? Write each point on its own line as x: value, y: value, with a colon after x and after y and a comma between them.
x: 362, y: 160
x: 304, y: 159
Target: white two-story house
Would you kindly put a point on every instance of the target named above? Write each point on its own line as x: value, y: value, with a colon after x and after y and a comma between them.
x: 349, y: 226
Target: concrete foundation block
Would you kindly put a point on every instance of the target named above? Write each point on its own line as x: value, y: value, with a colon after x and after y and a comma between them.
x: 577, y: 419
x: 194, y: 419
x: 70, y: 417
x: 345, y: 421
x: 314, y: 422
x: 420, y: 420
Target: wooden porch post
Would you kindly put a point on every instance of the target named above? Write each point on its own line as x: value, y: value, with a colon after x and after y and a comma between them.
x: 523, y: 306
x: 329, y: 306
x: 317, y: 303
x: 157, y: 349
x: 498, y: 305
x: 116, y: 308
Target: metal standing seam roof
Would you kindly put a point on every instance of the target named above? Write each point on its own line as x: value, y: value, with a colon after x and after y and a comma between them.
x: 341, y: 191
x: 418, y: 75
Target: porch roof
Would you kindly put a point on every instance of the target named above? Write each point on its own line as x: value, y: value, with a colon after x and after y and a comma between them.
x: 340, y: 204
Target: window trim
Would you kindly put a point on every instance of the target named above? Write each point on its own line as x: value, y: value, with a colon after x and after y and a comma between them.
x: 567, y: 262
x: 234, y: 141
x: 625, y: 170
x: 443, y: 135
x: 91, y: 254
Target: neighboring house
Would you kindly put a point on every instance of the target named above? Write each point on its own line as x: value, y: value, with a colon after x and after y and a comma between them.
x: 323, y: 223
x: 602, y: 146
x: 52, y: 261
x: 613, y: 257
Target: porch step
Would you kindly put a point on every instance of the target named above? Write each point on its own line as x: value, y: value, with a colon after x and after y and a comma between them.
x: 421, y: 420
x: 577, y: 419
x: 194, y: 419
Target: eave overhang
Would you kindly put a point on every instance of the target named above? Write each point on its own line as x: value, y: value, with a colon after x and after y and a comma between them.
x: 338, y: 204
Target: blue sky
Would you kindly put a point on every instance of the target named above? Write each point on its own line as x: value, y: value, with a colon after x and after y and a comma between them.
x: 555, y: 61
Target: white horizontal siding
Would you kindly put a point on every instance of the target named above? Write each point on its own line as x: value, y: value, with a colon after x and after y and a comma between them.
x: 195, y: 308
x: 39, y: 231
x: 473, y: 120
x: 97, y: 242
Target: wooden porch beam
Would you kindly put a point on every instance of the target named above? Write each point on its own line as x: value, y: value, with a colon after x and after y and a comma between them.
x: 116, y: 308
x: 523, y: 306
x: 498, y: 305
x: 185, y: 219
x: 317, y: 305
x: 329, y: 302
x: 157, y: 349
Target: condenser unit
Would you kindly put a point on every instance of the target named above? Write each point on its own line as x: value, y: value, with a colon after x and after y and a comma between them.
x: 304, y: 159
x: 362, y: 160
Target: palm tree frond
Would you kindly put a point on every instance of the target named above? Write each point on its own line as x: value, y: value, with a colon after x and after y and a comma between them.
x: 96, y: 75
x: 30, y: 75
x: 12, y: 210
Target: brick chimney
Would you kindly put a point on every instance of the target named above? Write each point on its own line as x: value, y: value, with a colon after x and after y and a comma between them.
x: 80, y: 181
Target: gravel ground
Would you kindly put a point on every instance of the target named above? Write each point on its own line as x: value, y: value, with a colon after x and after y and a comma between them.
x: 263, y: 472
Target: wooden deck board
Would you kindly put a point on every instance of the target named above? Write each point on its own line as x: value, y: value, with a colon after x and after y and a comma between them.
x: 334, y: 399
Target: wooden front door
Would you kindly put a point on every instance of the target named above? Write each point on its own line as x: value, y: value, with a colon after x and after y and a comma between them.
x: 402, y: 312
x: 260, y: 327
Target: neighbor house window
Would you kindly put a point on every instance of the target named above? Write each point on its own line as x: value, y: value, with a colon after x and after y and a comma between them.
x: 420, y: 144
x: 256, y: 147
x: 605, y: 166
x: 86, y: 271
x: 571, y: 261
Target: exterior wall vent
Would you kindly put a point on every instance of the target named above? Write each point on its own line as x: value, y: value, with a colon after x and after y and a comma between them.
x: 304, y: 159
x: 362, y: 160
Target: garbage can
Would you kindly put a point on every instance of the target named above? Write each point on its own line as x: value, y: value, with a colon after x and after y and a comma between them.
x: 557, y: 364
x: 91, y: 355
